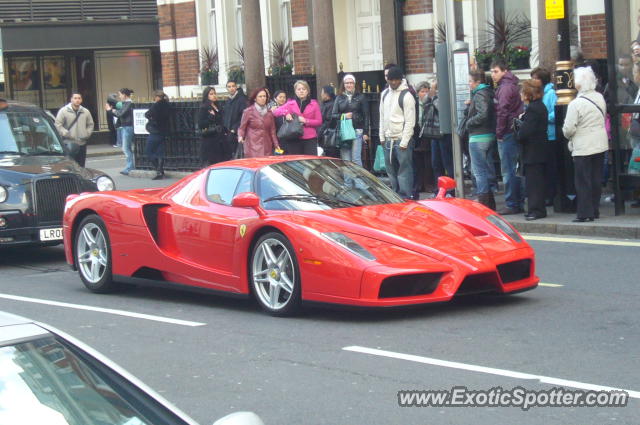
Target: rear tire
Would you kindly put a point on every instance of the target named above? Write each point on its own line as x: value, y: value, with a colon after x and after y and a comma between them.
x: 275, y: 276
x: 92, y: 251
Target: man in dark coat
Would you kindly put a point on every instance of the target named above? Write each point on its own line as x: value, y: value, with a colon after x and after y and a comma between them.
x: 508, y: 106
x: 232, y: 114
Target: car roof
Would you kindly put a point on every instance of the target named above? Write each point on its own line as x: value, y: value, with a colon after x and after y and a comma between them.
x: 257, y: 163
x: 8, y: 319
x: 15, y: 105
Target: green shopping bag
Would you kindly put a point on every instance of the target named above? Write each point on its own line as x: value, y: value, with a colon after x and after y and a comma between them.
x: 347, y: 132
x: 378, y: 164
x: 634, y: 161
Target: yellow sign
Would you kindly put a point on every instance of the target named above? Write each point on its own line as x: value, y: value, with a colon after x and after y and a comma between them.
x: 243, y: 230
x: 554, y: 9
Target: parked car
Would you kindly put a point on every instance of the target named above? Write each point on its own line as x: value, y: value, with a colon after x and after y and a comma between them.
x: 289, y: 229
x: 49, y: 377
x: 36, y: 177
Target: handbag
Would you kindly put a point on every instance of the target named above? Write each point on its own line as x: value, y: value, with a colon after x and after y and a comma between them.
x: 379, y: 165
x: 291, y: 130
x: 72, y: 148
x: 331, y: 138
x: 239, y: 153
x: 212, y: 130
x: 347, y: 132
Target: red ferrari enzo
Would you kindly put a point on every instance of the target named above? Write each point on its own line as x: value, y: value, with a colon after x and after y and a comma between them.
x: 289, y: 229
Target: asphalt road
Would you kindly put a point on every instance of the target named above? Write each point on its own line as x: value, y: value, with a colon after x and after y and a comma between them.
x: 297, y: 371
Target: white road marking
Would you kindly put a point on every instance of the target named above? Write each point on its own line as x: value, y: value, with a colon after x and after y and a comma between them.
x: 103, y: 310
x: 489, y: 370
x: 579, y: 240
x: 550, y: 285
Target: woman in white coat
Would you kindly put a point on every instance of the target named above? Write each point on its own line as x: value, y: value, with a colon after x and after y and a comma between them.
x: 584, y: 126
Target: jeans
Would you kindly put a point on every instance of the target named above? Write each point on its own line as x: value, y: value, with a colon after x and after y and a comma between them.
x: 442, y: 156
x: 353, y: 153
x: 155, y: 146
x: 399, y: 163
x: 126, y: 136
x: 513, y: 193
x: 482, y: 165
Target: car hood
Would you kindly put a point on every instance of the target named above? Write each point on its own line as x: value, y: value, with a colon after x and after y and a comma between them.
x: 20, y: 167
x: 409, y: 225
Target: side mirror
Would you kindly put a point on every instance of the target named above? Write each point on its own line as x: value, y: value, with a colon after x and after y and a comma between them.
x: 240, y: 418
x: 248, y: 200
x: 445, y: 184
x: 245, y: 200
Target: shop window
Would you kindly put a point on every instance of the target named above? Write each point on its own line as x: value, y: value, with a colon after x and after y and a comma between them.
x: 55, y: 81
x: 25, y: 79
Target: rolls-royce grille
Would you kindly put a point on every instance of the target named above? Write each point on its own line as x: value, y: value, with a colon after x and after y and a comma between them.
x: 51, y: 195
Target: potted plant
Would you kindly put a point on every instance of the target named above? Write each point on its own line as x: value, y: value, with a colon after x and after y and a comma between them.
x: 280, y: 54
x: 504, y: 38
x: 209, y: 66
x: 484, y: 58
x: 519, y: 57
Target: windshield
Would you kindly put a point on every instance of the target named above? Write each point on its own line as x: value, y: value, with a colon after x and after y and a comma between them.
x: 42, y: 382
x: 27, y: 133
x: 320, y: 184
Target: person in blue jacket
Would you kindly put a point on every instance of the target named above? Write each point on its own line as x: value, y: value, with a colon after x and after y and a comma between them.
x: 549, y: 99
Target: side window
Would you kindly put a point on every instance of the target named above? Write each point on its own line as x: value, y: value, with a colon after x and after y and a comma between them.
x: 222, y: 183
x: 245, y: 183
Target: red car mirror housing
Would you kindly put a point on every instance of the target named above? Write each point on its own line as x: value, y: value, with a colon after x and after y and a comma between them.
x: 248, y: 200
x: 444, y: 184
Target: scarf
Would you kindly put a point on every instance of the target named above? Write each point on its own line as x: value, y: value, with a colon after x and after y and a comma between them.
x: 262, y: 109
x: 349, y: 95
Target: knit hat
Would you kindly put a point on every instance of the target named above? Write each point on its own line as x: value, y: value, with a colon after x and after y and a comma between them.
x: 348, y: 77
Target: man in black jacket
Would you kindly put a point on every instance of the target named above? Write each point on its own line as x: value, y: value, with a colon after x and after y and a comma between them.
x: 232, y: 114
x: 481, y: 126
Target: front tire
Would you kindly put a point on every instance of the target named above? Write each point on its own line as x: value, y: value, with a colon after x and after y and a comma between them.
x: 275, y: 275
x: 92, y: 250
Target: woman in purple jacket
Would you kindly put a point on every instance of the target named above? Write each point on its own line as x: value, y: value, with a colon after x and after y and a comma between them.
x: 307, y: 111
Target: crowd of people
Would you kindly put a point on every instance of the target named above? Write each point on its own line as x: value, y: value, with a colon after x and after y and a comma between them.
x: 505, y: 118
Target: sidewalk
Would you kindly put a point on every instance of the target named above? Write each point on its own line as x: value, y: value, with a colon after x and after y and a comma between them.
x: 608, y: 225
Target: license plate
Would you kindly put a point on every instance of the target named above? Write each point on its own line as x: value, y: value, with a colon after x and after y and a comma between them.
x: 51, y: 234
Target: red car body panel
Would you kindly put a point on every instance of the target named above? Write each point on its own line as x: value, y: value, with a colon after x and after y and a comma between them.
x: 176, y: 235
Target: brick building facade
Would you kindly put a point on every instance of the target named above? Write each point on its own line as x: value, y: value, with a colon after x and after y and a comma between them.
x: 178, y: 46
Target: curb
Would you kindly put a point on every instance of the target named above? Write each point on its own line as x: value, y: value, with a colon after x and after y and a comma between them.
x: 104, y: 153
x: 598, y: 230
x: 149, y: 174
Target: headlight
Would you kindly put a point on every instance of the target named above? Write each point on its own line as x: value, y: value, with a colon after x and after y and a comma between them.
x: 501, y: 224
x: 349, y: 244
x: 3, y: 194
x: 104, y: 183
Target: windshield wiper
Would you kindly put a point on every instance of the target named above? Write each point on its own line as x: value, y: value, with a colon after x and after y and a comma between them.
x: 304, y: 197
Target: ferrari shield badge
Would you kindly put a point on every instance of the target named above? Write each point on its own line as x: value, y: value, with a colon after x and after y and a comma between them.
x: 243, y: 230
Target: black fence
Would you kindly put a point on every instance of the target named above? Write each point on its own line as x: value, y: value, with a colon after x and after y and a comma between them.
x: 182, y: 148
x: 286, y: 82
